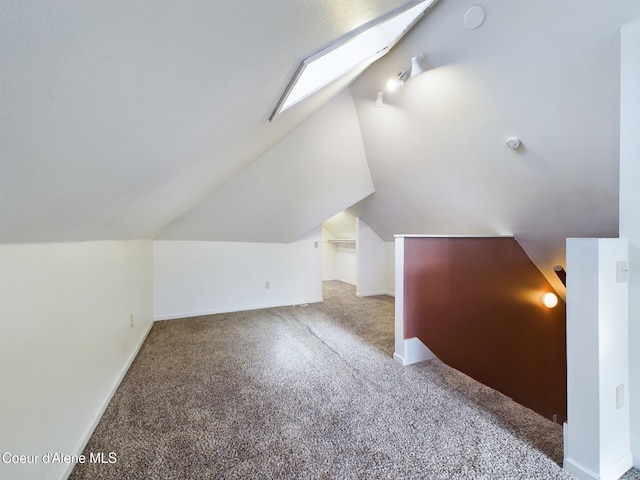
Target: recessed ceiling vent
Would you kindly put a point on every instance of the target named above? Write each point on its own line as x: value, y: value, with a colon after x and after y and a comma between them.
x: 357, y: 49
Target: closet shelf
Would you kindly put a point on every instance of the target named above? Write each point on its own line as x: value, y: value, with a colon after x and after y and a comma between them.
x: 345, y: 243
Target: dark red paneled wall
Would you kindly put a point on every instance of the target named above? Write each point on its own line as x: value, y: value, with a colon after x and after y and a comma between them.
x: 476, y: 303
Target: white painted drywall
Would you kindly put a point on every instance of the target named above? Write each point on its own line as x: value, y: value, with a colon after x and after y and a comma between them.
x: 318, y: 170
x: 143, y: 108
x: 613, y: 310
x: 629, y: 205
x: 390, y: 267
x: 371, y: 261
x: 437, y: 152
x: 199, y: 278
x: 345, y: 266
x: 329, y: 271
x: 66, y: 341
x: 582, y: 428
x: 399, y: 350
x: 339, y: 263
x: 597, y: 441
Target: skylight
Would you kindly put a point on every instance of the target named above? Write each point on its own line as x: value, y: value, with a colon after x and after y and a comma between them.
x: 359, y: 48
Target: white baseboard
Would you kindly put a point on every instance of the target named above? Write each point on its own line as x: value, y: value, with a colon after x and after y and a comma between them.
x: 578, y: 470
x: 636, y: 460
x: 614, y: 472
x: 65, y: 472
x: 371, y: 294
x: 414, y: 351
x: 398, y: 358
x: 245, y: 308
x: 619, y: 468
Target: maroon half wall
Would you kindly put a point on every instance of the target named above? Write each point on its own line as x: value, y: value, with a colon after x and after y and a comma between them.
x: 476, y: 303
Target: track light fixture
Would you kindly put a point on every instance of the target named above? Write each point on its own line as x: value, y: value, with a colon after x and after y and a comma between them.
x: 413, y: 70
x: 416, y: 68
x: 405, y: 73
x: 379, y: 100
x: 396, y: 82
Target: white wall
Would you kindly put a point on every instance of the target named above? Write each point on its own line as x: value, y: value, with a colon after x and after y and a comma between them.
x: 629, y: 203
x: 319, y: 169
x: 329, y: 271
x: 66, y: 342
x: 338, y: 263
x: 371, y: 262
x: 471, y: 98
x: 199, y: 278
x: 390, y: 267
x: 597, y: 442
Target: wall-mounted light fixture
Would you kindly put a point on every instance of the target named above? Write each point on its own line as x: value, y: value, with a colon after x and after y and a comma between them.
x: 549, y: 300
x: 416, y: 68
x: 379, y: 100
x: 562, y: 275
x: 405, y: 73
x: 413, y: 70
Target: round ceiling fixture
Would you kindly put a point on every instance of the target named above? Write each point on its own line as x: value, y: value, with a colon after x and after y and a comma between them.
x: 513, y: 143
x: 475, y: 17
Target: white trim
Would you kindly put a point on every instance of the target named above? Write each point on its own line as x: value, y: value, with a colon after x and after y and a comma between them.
x: 65, y: 472
x: 578, y: 470
x: 636, y: 459
x: 413, y: 351
x: 614, y: 472
x: 371, y: 294
x: 398, y: 358
x: 619, y: 468
x: 215, y: 311
x: 399, y: 303
x: 421, y: 235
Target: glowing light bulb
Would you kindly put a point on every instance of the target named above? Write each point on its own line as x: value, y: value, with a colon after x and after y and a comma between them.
x: 394, y: 83
x: 549, y: 300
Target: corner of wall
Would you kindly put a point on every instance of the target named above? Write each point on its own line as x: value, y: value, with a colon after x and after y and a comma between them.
x: 68, y: 301
x: 629, y: 198
x: 86, y: 436
x: 578, y: 470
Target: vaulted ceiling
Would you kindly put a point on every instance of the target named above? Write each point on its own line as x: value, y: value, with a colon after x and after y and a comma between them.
x: 149, y: 119
x: 120, y: 116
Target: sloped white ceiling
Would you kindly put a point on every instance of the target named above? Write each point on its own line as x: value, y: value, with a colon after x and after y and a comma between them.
x: 124, y: 119
x: 119, y: 116
x: 544, y: 71
x: 316, y: 171
x: 342, y: 225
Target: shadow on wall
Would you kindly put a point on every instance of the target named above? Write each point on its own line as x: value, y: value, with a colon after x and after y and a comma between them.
x: 477, y: 304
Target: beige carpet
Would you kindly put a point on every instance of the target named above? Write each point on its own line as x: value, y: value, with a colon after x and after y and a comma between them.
x: 310, y: 392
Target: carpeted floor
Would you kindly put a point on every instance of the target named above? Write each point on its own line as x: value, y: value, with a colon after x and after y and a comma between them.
x: 310, y: 392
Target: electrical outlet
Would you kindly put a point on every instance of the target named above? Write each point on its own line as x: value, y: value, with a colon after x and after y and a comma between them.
x: 267, y: 285
x: 622, y: 271
x: 619, y: 396
x: 131, y: 322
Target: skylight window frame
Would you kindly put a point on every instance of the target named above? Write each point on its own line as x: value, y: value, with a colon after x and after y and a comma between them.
x: 345, y: 40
